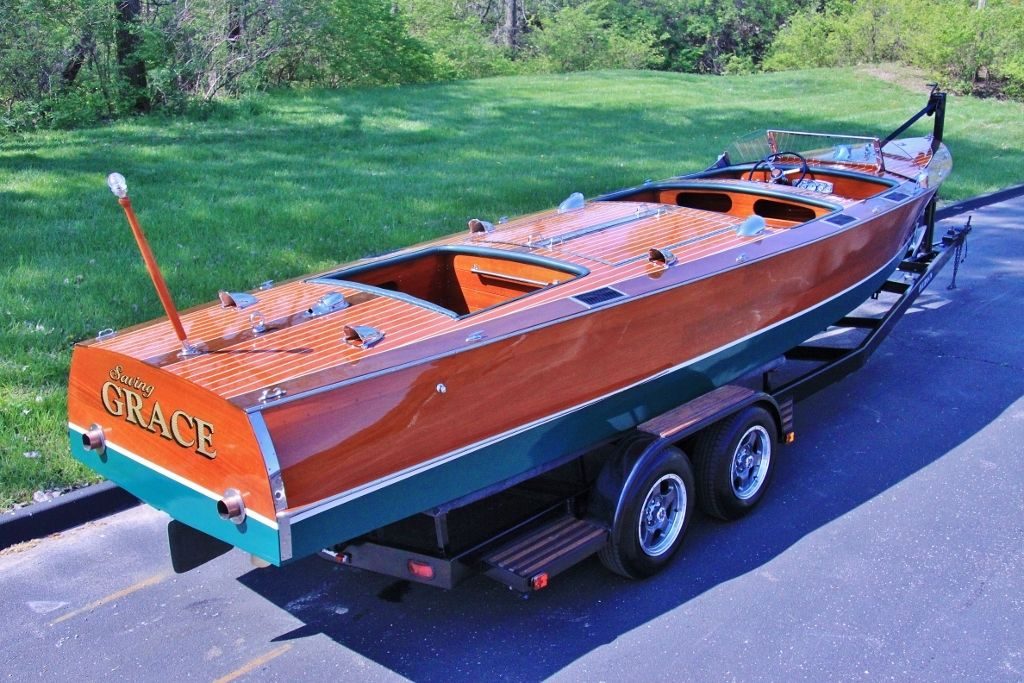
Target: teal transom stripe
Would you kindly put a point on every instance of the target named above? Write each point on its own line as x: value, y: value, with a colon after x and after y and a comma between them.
x: 181, y: 502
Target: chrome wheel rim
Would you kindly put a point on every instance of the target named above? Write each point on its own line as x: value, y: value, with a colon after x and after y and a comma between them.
x: 662, y: 515
x: 750, y: 462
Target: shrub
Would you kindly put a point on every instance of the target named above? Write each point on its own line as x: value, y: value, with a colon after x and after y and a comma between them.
x: 954, y: 40
x: 579, y: 38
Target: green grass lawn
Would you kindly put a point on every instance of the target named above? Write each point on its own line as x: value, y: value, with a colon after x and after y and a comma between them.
x: 301, y: 181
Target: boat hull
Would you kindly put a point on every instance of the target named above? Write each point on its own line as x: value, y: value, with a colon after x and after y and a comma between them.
x: 393, y: 446
x: 578, y: 430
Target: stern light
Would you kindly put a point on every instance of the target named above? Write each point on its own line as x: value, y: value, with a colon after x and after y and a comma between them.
x: 119, y: 186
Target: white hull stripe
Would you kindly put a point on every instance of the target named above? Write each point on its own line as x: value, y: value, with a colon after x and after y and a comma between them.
x: 322, y: 506
x: 255, y: 516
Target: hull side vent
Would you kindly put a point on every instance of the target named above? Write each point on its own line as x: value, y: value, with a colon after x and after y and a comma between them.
x: 840, y: 219
x: 597, y: 297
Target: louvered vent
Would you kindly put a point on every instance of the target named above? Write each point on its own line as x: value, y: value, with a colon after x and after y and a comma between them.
x: 840, y: 219
x: 597, y: 297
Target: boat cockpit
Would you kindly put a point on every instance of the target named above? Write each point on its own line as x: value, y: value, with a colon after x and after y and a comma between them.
x: 786, y: 178
x: 456, y: 280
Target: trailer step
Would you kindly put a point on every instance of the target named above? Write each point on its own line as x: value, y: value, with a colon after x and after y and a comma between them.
x: 530, y: 560
x: 895, y: 287
x: 819, y: 354
x: 859, y: 322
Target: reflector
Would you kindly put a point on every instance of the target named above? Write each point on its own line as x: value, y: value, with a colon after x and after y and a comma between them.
x: 421, y: 570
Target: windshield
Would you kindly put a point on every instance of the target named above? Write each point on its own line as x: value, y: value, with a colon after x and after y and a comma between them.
x: 849, y: 150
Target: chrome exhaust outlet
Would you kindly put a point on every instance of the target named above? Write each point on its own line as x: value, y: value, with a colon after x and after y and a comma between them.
x: 231, y: 507
x: 94, y: 440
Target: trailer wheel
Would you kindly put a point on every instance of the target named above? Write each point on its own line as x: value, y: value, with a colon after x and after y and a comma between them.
x: 654, y: 510
x: 734, y: 459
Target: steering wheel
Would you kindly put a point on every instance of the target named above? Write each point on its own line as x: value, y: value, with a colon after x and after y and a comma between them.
x: 776, y: 174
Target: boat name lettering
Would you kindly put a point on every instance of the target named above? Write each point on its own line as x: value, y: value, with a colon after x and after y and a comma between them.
x: 178, y: 426
x: 117, y: 374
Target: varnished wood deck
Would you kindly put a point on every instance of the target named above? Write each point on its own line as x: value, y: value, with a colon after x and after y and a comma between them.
x: 611, y: 239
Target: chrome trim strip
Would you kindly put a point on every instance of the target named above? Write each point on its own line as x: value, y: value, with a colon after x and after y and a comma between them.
x: 266, y: 444
x: 176, y: 478
x: 864, y: 138
x: 467, y: 249
x: 591, y: 229
x: 379, y: 291
x: 313, y: 509
x: 284, y: 534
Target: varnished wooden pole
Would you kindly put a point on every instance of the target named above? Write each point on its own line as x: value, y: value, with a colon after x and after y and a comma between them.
x: 154, y: 272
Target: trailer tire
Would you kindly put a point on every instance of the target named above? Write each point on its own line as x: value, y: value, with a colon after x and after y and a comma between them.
x: 735, y: 460
x: 654, y: 510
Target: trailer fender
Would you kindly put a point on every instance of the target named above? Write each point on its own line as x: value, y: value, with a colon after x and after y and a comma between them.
x: 633, y: 458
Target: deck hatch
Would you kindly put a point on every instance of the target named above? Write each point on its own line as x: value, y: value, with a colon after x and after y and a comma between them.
x: 596, y: 297
x: 895, y: 196
x: 840, y: 219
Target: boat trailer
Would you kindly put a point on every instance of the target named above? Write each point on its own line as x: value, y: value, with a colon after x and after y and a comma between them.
x: 525, y: 531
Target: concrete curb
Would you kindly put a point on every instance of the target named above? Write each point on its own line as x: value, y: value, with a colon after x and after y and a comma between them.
x: 92, y: 502
x: 70, y: 510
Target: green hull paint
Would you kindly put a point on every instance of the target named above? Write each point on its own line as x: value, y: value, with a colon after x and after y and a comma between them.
x: 572, y: 433
x: 179, y: 501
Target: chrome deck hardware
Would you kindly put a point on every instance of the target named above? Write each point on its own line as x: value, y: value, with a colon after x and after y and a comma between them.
x: 361, y: 336
x: 271, y: 394
x: 236, y: 299
x: 662, y: 256
x: 328, y: 303
x: 257, y: 322
x: 751, y: 226
x: 572, y: 202
x: 477, y: 226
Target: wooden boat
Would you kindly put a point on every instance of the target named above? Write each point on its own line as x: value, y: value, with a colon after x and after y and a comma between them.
x: 303, y: 414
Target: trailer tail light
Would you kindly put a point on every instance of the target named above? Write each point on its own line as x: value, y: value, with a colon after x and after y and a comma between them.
x: 421, y: 570
x: 539, y: 581
x: 790, y: 437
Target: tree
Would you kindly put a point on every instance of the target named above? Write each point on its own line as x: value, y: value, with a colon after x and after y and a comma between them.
x: 132, y: 68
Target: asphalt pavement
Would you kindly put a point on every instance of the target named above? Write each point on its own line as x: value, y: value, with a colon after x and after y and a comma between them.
x: 890, y: 547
